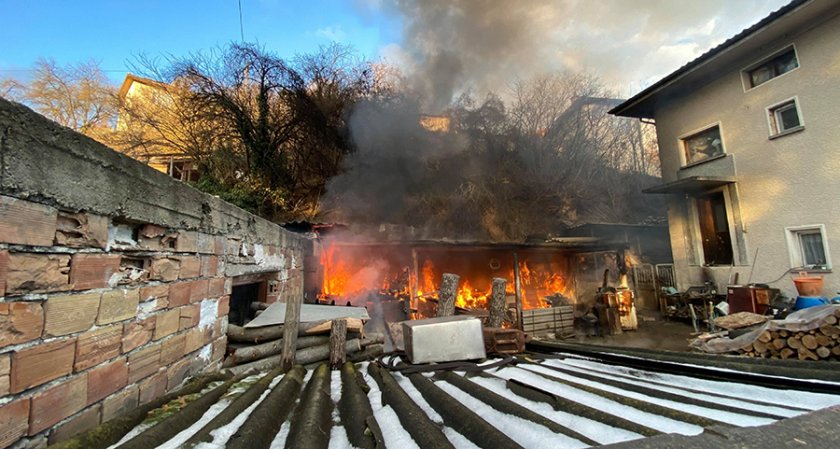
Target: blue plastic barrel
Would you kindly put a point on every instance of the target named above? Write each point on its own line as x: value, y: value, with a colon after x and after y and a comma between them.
x: 803, y: 302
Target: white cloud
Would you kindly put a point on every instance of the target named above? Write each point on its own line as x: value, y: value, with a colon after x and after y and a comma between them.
x: 332, y: 33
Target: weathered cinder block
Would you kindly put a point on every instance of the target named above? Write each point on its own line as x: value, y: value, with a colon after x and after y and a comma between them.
x: 118, y: 305
x: 190, y: 267
x: 172, y: 349
x: 26, y: 223
x: 190, y: 316
x: 66, y: 314
x: 54, y: 404
x: 179, y: 294
x: 98, y: 346
x: 20, y: 322
x: 30, y: 272
x: 186, y: 242
x: 106, y: 379
x: 43, y: 363
x: 4, y: 270
x: 153, y: 387
x: 199, y: 290
x: 209, y: 266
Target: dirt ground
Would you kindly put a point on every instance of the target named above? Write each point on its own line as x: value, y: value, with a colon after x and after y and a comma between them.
x: 653, y: 333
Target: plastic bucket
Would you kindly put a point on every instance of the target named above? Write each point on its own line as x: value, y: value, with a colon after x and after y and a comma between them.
x: 803, y: 302
x: 808, y: 286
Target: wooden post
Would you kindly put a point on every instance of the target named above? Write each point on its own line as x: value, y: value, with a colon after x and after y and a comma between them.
x: 338, y: 337
x: 290, y: 332
x: 518, y: 288
x: 415, y: 274
x: 497, y: 303
x: 448, y: 293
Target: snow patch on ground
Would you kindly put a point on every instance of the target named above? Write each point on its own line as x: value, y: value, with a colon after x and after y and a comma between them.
x: 279, y: 441
x: 526, y: 433
x: 185, y: 434
x: 418, y: 399
x: 223, y: 434
x: 595, y: 430
x: 393, y: 431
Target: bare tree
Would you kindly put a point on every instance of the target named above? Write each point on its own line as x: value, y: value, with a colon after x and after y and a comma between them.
x: 78, y: 96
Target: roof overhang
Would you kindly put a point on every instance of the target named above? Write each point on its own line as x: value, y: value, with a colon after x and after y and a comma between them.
x: 691, y: 185
x: 735, y: 53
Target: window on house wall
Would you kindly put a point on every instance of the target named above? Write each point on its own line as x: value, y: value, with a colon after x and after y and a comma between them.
x: 777, y: 65
x: 703, y: 145
x: 184, y: 170
x: 714, y: 229
x: 807, y: 246
x: 784, y: 118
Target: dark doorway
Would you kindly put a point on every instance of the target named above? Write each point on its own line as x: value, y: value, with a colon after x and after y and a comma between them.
x: 714, y: 229
x: 241, y: 298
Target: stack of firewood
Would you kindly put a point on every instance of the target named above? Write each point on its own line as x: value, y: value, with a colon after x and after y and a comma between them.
x: 820, y: 343
x: 261, y: 348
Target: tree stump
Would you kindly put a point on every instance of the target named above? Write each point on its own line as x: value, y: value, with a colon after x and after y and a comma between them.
x: 338, y: 337
x: 448, y: 294
x: 497, y: 303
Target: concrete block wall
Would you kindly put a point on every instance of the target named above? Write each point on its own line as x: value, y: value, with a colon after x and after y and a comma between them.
x: 114, y: 279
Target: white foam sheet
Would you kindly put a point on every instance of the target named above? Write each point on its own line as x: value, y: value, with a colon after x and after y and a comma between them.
x: 647, y: 382
x: 660, y: 423
x: 794, y: 398
x: 737, y: 419
x: 527, y: 433
x: 594, y: 430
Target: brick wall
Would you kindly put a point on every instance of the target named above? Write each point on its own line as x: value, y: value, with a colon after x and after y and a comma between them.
x: 114, y: 279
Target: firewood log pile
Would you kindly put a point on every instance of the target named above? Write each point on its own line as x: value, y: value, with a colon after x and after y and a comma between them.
x: 820, y: 343
x: 261, y: 348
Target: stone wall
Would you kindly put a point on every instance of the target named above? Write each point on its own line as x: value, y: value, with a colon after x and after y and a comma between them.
x: 114, y: 279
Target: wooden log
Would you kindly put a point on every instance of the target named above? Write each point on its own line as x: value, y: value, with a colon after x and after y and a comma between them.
x: 261, y: 351
x: 831, y: 319
x: 837, y: 313
x: 823, y: 340
x: 779, y: 343
x: 325, y: 326
x: 836, y: 350
x: 783, y: 333
x: 765, y: 337
x: 759, y: 347
x: 787, y: 353
x: 448, y: 294
x: 290, y: 333
x: 807, y: 354
x: 305, y: 356
x: 338, y: 337
x: 823, y: 352
x: 830, y: 330
x: 254, y: 335
x: 810, y: 342
x: 794, y: 342
x: 497, y: 303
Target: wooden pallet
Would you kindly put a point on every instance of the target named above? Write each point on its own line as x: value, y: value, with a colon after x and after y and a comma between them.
x: 557, y: 320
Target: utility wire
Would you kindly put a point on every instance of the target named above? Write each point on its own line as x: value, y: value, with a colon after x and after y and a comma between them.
x: 241, y: 27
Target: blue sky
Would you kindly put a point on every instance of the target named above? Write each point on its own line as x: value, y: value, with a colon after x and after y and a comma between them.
x: 114, y: 32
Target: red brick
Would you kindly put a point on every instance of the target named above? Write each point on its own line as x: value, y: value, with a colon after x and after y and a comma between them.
x: 187, y: 242
x: 194, y: 340
x: 143, y: 363
x: 190, y: 316
x: 216, y: 287
x: 152, y: 388
x: 14, y: 421
x: 40, y: 364
x: 120, y: 403
x: 156, y: 292
x: 179, y: 294
x: 190, y: 267
x: 137, y: 333
x: 219, y: 243
x: 219, y: 347
x: 172, y: 349
x: 118, y: 305
x: 30, y: 272
x: 61, y: 401
x: 106, y: 379
x: 198, y: 290
x: 79, y: 230
x: 176, y: 373
x: 5, y: 373
x: 223, y: 306
x: 85, y: 420
x: 20, y: 322
x: 167, y: 323
x: 4, y: 270
x: 97, y: 346
x: 89, y: 271
x: 26, y: 223
x: 209, y: 266
x: 164, y: 269
x: 67, y: 314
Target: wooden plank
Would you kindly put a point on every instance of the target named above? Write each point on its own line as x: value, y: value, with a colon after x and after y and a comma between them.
x: 338, y: 338
x: 290, y: 332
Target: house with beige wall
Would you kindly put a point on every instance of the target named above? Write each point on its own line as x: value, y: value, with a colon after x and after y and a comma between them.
x: 749, y: 143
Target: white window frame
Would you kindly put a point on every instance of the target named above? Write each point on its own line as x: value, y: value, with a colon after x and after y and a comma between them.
x: 797, y: 259
x: 682, y: 138
x: 746, y: 83
x: 773, y: 119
